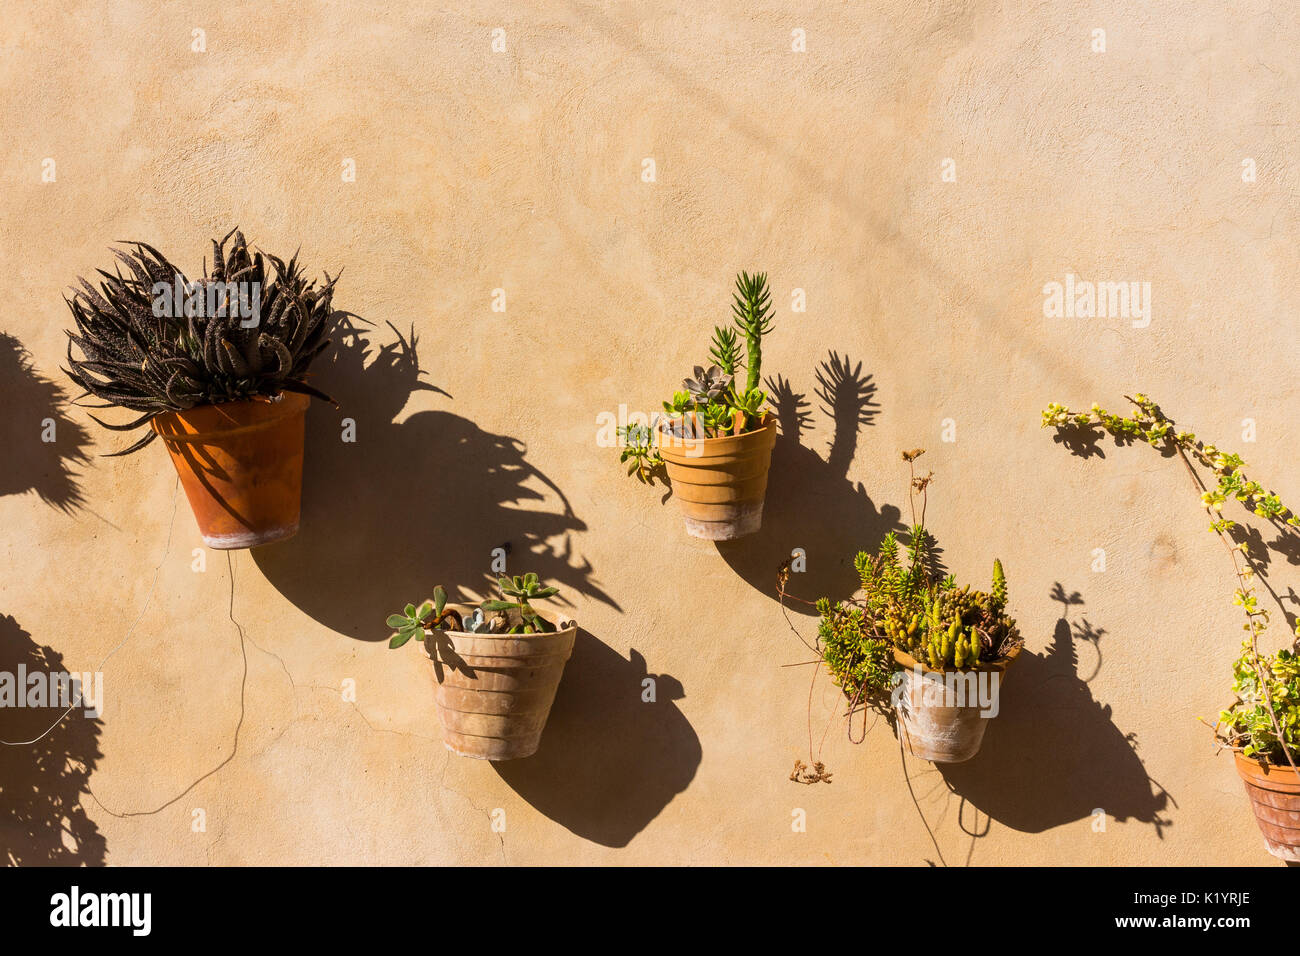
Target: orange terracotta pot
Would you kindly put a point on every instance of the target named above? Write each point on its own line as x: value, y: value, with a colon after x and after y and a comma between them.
x: 720, y: 483
x: 494, y: 691
x: 241, y: 466
x: 1275, y: 797
x: 950, y: 731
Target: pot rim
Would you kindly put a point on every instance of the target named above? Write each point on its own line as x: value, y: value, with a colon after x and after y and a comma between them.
x: 553, y: 618
x: 1260, y: 768
x: 282, y: 405
x: 911, y: 663
x: 769, y: 422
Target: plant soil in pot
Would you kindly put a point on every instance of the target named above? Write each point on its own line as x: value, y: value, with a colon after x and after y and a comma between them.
x: 216, y: 368
x: 241, y: 466
x: 496, y: 667
x: 714, y: 441
x: 720, y: 483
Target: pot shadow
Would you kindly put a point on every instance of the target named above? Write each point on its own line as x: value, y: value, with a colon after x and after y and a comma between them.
x: 35, y: 410
x: 609, y: 761
x: 1053, y: 755
x: 811, y: 503
x: 410, y: 504
x: 42, y: 821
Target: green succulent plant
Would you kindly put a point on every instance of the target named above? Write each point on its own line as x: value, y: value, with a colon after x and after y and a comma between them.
x: 725, y: 350
x: 639, y: 449
x: 902, y: 607
x: 711, y: 403
x: 752, y: 307
x: 516, y: 616
x: 139, y: 356
x: 523, y: 589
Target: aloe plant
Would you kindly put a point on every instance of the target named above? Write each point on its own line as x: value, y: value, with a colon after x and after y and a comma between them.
x: 139, y: 356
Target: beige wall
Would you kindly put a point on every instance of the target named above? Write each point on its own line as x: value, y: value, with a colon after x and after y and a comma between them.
x: 522, y: 170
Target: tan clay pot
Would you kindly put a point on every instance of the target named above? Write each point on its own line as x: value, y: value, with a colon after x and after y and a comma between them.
x: 944, y: 734
x: 720, y: 483
x: 1275, y: 797
x: 241, y: 466
x: 494, y: 691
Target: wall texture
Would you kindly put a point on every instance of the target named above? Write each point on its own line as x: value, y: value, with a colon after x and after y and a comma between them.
x: 523, y: 170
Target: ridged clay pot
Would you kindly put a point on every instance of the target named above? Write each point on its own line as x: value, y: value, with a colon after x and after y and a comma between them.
x: 943, y: 734
x: 494, y: 691
x: 241, y: 466
x: 1274, y: 793
x: 720, y: 483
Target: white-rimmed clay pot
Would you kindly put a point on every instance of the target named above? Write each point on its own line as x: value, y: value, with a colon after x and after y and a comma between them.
x: 494, y: 691
x: 944, y: 732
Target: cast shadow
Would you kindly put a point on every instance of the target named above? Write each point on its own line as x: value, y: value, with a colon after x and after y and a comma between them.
x: 1052, y: 755
x: 413, y: 503
x: 609, y: 761
x: 34, y: 411
x: 1084, y: 441
x: 811, y: 503
x: 42, y: 821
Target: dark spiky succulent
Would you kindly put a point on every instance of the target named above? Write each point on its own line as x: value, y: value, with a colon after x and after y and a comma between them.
x: 146, y: 350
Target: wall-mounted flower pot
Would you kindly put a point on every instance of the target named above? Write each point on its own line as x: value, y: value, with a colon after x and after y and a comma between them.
x: 942, y: 732
x: 241, y: 466
x: 494, y: 691
x: 1275, y: 797
x: 720, y: 483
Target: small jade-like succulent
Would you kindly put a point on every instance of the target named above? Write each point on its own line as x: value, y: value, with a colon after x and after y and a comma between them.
x: 639, y: 449
x: 508, y: 617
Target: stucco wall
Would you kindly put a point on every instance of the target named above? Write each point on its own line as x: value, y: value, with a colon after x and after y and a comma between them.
x: 522, y: 171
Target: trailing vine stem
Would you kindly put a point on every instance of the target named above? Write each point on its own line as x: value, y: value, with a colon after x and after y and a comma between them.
x: 1156, y: 428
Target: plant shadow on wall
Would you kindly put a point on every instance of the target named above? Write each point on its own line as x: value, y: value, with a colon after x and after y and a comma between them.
x: 407, y: 504
x: 616, y: 750
x: 42, y: 821
x: 1053, y: 755
x: 811, y: 503
x: 1083, y: 440
x: 34, y: 414
x: 427, y: 499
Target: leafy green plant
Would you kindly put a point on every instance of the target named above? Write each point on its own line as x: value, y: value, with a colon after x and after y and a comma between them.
x: 710, y: 402
x: 136, y: 357
x: 516, y: 616
x: 1265, y: 719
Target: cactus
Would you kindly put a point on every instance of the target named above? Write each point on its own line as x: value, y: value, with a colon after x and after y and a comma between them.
x: 999, y: 592
x: 752, y: 308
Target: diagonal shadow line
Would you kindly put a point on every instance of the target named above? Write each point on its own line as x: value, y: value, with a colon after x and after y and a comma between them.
x: 808, y: 172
